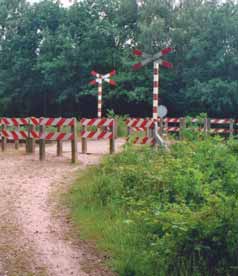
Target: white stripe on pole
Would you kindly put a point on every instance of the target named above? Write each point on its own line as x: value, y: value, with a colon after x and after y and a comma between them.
x: 156, y: 91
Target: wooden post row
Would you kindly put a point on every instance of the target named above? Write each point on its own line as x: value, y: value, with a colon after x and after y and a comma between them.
x: 182, y: 126
x: 43, y: 137
x: 112, y: 141
x: 106, y: 129
x: 4, y: 140
x: 74, y: 142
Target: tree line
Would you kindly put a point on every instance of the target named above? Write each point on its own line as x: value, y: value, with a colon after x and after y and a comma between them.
x: 47, y: 53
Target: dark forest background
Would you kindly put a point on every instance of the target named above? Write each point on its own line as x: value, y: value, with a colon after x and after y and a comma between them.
x: 47, y: 52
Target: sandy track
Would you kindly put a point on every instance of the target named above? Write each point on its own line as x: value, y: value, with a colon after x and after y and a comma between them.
x: 35, y: 236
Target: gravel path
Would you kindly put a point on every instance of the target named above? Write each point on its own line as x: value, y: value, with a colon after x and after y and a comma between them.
x: 35, y: 233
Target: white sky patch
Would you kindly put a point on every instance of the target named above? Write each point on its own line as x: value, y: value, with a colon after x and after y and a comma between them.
x: 66, y: 3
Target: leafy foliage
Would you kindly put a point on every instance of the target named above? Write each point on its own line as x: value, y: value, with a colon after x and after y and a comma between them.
x: 48, y: 51
x: 164, y: 213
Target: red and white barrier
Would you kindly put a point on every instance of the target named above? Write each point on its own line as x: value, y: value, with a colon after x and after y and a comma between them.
x: 220, y: 121
x: 97, y: 135
x: 57, y: 136
x: 108, y: 132
x: 172, y: 129
x: 19, y: 121
x: 172, y: 120
x: 19, y: 135
x: 14, y: 121
x: 59, y: 122
x: 97, y: 122
x: 144, y: 141
x: 140, y: 123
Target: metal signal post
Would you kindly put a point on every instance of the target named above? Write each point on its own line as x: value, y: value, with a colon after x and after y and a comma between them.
x: 157, y: 61
x: 99, y: 79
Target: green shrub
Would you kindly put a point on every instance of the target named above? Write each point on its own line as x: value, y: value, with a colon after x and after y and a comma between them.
x: 164, y: 213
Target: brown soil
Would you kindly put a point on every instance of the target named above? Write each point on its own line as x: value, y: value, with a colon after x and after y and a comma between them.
x: 36, y: 236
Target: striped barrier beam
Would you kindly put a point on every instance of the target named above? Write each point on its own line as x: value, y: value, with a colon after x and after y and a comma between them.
x: 144, y: 141
x: 19, y: 121
x: 14, y: 121
x: 140, y: 123
x: 57, y: 136
x: 220, y: 121
x: 172, y: 129
x: 97, y: 122
x: 58, y: 122
x: 19, y: 135
x: 97, y: 135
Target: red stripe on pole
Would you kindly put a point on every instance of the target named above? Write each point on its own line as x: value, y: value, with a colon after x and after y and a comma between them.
x: 166, y: 51
x: 155, y: 97
x: 156, y: 72
x: 137, y: 52
x: 167, y: 64
x: 156, y: 84
x: 137, y: 66
x: 155, y: 110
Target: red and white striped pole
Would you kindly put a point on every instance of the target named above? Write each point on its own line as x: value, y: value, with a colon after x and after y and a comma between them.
x: 100, y: 97
x: 99, y: 79
x: 156, y: 59
x: 156, y: 91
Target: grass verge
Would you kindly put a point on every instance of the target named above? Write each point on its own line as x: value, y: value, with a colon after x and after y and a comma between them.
x: 163, y: 213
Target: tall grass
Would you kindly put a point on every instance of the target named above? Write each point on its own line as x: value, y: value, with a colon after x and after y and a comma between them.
x: 164, y: 213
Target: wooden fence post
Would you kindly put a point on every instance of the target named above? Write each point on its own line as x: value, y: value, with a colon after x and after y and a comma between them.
x: 182, y: 126
x: 166, y: 125
x: 4, y: 139
x: 74, y: 142
x: 59, y: 144
x: 128, y: 131
x: 116, y: 128
x: 112, y: 141
x: 17, y: 141
x: 31, y: 140
x: 207, y: 126
x: 84, y: 142
x: 231, y: 128
x: 42, y: 143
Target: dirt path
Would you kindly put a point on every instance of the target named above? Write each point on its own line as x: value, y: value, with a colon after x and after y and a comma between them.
x: 35, y: 235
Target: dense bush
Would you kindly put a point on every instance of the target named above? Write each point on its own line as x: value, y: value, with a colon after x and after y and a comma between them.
x: 164, y: 213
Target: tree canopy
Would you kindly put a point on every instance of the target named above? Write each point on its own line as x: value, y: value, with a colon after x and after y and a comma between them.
x: 47, y: 52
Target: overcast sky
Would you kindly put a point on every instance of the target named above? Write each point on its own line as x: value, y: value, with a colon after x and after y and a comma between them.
x: 65, y: 2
